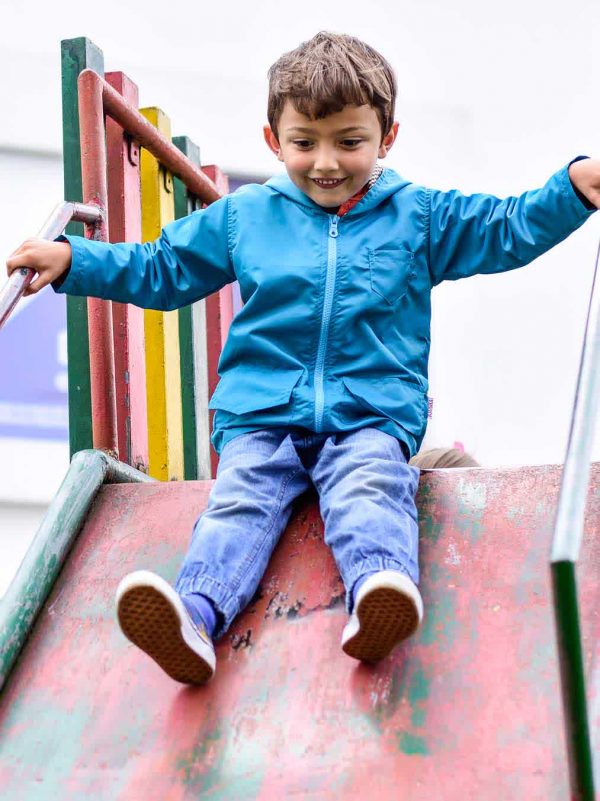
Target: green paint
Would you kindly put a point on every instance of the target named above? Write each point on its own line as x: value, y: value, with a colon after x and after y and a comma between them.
x: 467, y: 519
x: 418, y: 718
x: 430, y: 528
x: 77, y: 55
x: 573, y: 681
x: 411, y: 744
x: 204, y: 768
x: 45, y: 748
x: 184, y: 205
x: 418, y: 692
x: 193, y: 766
x: 440, y: 624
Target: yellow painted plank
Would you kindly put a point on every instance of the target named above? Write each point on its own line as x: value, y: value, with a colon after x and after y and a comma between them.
x: 163, y: 380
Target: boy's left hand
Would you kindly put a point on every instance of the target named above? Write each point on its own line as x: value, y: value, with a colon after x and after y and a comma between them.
x: 585, y: 176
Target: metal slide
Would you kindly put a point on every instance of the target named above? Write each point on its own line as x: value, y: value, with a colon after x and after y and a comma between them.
x: 469, y: 709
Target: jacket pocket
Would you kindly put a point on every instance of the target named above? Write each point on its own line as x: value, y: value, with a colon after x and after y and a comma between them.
x: 391, y: 271
x: 242, y: 391
x: 404, y: 403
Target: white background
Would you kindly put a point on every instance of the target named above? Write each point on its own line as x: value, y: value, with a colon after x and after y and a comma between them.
x: 492, y: 98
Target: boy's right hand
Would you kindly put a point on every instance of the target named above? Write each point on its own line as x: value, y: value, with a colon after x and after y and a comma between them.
x: 49, y: 259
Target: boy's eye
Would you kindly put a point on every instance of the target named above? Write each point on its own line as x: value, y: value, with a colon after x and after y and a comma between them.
x: 351, y: 142
x: 302, y: 143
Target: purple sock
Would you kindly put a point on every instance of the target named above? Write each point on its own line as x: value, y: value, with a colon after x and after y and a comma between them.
x: 201, y: 610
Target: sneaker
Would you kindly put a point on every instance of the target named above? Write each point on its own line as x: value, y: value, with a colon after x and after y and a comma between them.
x: 388, y: 609
x: 152, y: 615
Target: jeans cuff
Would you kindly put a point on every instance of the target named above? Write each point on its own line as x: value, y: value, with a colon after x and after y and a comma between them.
x: 224, y: 601
x: 374, y: 565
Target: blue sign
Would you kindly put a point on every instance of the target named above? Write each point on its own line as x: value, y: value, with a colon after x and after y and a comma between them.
x: 33, y: 377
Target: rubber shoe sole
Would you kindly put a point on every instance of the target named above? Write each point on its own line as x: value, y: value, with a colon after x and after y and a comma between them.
x: 152, y: 616
x: 388, y: 609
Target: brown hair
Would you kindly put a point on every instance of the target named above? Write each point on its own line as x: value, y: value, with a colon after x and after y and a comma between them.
x: 442, y: 457
x: 328, y: 72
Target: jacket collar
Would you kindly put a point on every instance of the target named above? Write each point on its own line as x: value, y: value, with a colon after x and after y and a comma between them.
x: 388, y: 183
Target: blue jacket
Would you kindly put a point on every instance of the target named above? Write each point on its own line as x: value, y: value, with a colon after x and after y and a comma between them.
x: 335, y: 329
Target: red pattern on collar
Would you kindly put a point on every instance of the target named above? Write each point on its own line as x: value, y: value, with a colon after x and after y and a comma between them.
x: 351, y: 202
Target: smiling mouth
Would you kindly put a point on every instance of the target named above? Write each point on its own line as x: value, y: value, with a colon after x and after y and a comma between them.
x: 328, y: 183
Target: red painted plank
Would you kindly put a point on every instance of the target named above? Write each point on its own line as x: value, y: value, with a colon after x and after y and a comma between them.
x: 469, y: 709
x: 124, y: 210
x: 219, y: 314
x: 95, y: 192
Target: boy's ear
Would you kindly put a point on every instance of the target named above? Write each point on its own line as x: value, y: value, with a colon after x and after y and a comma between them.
x: 388, y: 140
x: 272, y: 141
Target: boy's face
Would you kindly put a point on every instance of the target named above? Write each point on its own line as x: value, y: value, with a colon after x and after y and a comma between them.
x: 331, y: 159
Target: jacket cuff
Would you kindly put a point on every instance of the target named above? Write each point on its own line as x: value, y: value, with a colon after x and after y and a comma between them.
x: 66, y: 283
x: 589, y: 206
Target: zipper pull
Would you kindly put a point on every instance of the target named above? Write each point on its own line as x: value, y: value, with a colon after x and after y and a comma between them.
x: 333, y: 226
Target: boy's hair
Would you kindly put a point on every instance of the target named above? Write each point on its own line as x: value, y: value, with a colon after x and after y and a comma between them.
x: 328, y: 72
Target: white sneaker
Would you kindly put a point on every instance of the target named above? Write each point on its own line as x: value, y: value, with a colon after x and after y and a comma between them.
x: 388, y: 609
x: 152, y: 615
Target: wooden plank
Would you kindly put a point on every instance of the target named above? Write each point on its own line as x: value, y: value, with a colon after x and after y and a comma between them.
x: 76, y: 55
x: 163, y: 380
x: 192, y: 346
x: 125, y: 225
x: 219, y: 314
x: 100, y: 326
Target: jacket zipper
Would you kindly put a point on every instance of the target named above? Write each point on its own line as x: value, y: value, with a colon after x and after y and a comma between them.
x: 325, y: 320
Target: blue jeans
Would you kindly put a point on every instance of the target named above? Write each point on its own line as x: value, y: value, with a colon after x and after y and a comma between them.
x: 366, y: 496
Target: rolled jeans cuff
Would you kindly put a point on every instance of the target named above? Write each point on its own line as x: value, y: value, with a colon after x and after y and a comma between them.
x: 224, y: 600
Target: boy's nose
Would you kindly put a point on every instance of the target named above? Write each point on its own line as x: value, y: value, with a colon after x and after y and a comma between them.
x: 326, y: 160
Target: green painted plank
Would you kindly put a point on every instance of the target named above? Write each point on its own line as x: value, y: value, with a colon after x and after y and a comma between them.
x: 77, y: 55
x: 184, y: 205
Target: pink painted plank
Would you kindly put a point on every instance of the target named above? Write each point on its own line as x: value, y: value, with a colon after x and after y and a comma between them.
x: 124, y: 209
x: 468, y: 709
x: 219, y: 314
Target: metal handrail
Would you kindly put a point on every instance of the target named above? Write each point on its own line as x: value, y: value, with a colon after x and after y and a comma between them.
x: 19, y: 280
x: 566, y: 545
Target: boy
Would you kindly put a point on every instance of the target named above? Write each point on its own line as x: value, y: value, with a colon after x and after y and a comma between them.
x: 324, y: 373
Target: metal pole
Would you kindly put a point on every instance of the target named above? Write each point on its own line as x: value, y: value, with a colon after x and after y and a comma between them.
x: 56, y: 223
x: 568, y: 533
x: 48, y: 551
x: 146, y: 134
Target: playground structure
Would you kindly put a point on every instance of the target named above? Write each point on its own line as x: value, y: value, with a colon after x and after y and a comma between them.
x: 469, y: 709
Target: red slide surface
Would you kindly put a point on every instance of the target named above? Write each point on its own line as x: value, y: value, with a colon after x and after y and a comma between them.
x: 468, y: 709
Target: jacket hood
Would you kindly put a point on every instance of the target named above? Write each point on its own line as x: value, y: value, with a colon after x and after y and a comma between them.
x: 387, y: 184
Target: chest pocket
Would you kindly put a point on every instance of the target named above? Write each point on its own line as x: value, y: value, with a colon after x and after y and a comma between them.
x: 391, y: 271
